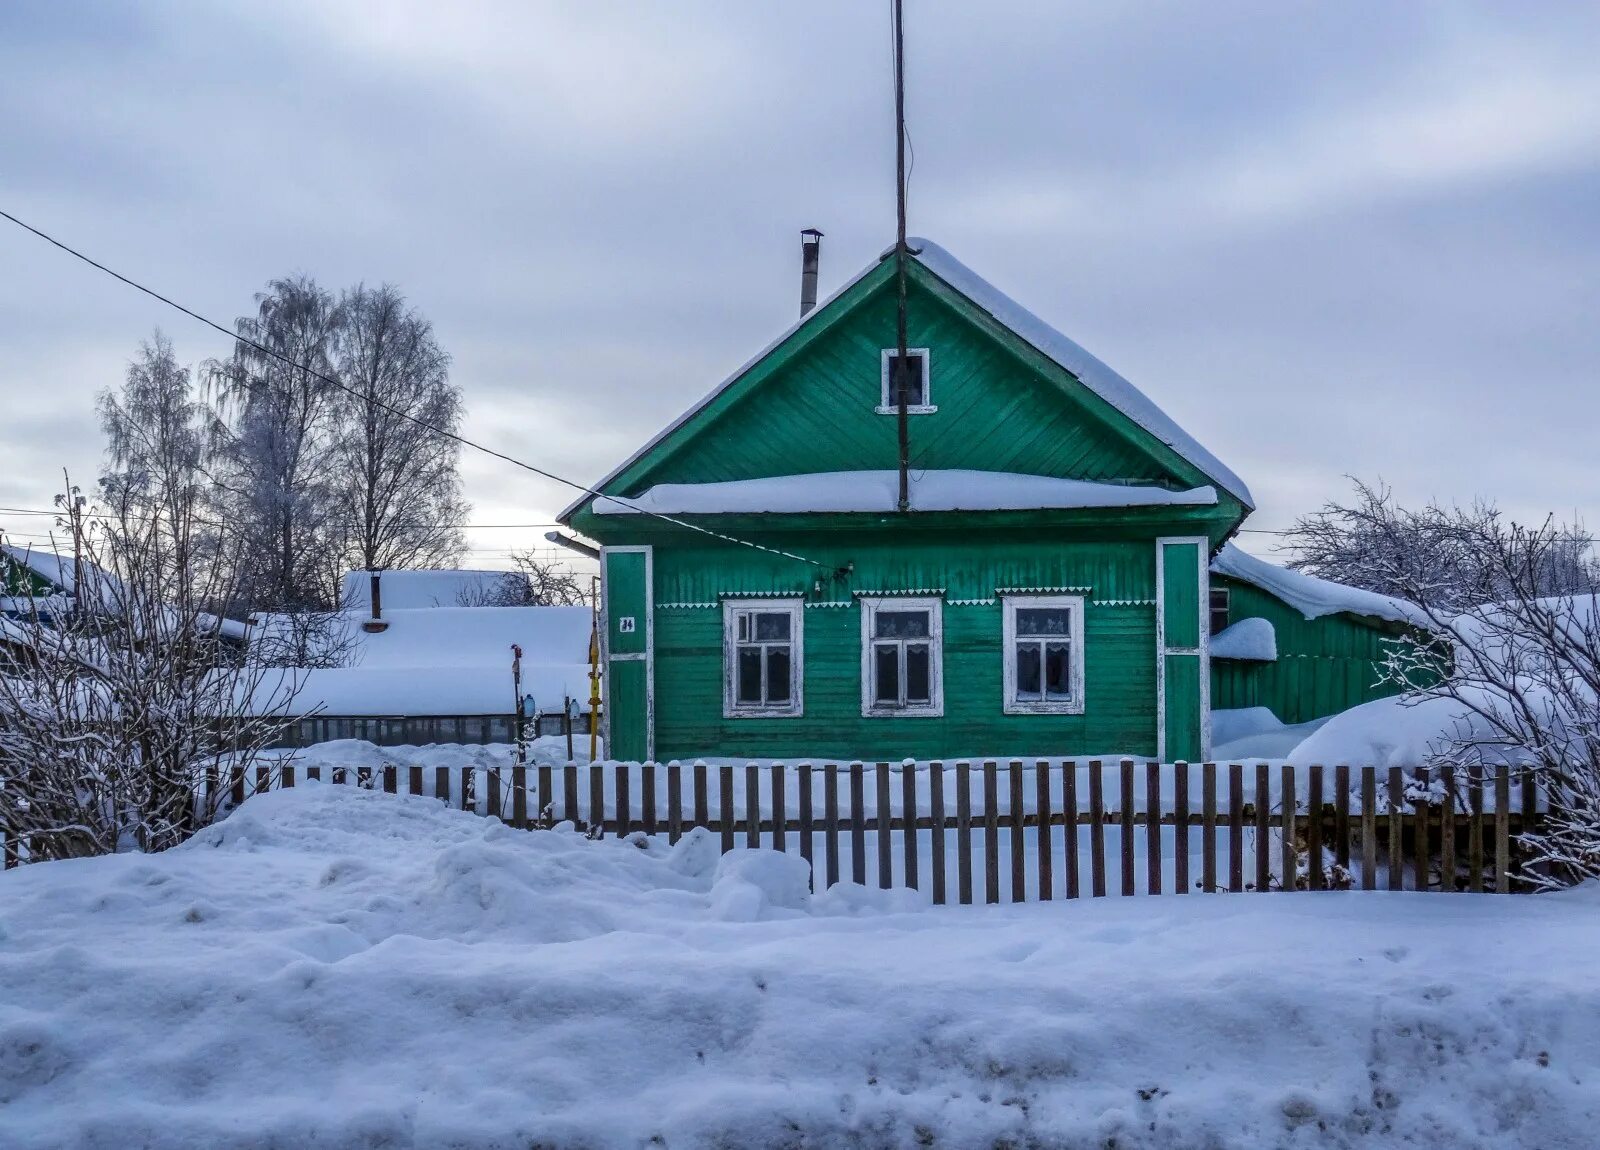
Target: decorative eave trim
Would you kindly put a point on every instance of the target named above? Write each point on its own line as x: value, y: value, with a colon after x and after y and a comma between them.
x: 834, y: 603
x: 1123, y: 602
x: 1043, y: 590
x: 973, y: 602
x: 683, y: 606
x: 892, y: 592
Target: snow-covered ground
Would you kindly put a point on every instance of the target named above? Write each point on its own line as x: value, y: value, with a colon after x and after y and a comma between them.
x: 333, y: 967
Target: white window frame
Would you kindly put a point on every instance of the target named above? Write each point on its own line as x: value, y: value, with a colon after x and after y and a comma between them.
x: 885, y: 407
x: 731, y: 610
x: 1016, y: 706
x: 870, y: 606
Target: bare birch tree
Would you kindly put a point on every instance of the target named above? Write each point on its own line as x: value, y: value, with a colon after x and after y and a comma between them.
x: 397, y: 492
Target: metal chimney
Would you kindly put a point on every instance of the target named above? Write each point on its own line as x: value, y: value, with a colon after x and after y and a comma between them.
x: 377, y: 623
x: 810, y: 253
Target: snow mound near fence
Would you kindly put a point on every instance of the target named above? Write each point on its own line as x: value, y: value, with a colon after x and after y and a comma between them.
x: 333, y: 967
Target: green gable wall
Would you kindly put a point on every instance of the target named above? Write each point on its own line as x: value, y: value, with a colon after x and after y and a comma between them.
x: 1324, y: 665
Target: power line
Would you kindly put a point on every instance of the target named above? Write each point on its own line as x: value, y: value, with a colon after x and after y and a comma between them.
x: 406, y: 415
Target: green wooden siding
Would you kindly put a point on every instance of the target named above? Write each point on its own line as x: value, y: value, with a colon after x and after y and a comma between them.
x: 1324, y: 665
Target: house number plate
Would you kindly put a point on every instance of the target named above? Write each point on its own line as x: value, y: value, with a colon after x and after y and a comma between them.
x: 625, y: 625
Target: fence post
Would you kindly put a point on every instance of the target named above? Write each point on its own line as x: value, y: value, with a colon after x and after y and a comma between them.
x: 1069, y: 815
x: 1397, y: 865
x: 414, y: 779
x: 1475, y: 829
x: 1180, y: 828
x: 1288, y: 849
x: 1530, y: 815
x: 1208, y: 827
x: 1041, y: 802
x: 1369, y: 828
x: 390, y: 781
x: 964, y: 833
x: 858, y: 824
x: 752, y: 805
x: 1447, y: 831
x: 807, y: 815
x: 519, y: 796
x: 1152, y: 827
x: 991, y: 831
x: 936, y: 819
x: 623, y: 800
x: 1017, y: 823
x: 569, y: 794
x: 1502, y: 829
x: 1126, y: 835
x: 830, y: 819
x: 883, y: 822
x: 908, y: 819
x: 1263, y: 881
x: 675, y: 801
x: 1097, y: 831
x: 647, y: 796
x: 597, y: 801
x: 780, y: 817
x: 441, y: 784
x: 1341, y: 817
x: 1236, y: 827
x: 726, y: 805
x: 493, y: 798
x: 1419, y: 839
x: 1314, y: 828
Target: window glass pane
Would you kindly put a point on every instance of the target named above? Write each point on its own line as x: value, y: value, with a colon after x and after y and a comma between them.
x: 912, y: 381
x: 886, y: 674
x: 917, y: 673
x: 749, y: 672
x: 1044, y: 620
x: 778, y: 674
x: 1057, y: 671
x: 744, y: 626
x: 772, y: 625
x: 1028, y: 672
x: 900, y: 625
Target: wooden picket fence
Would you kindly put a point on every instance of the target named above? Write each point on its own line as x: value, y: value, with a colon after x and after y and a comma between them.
x: 949, y: 828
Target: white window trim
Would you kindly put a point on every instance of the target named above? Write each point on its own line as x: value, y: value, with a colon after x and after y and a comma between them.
x: 1015, y: 706
x: 731, y: 609
x: 884, y: 406
x: 934, y: 708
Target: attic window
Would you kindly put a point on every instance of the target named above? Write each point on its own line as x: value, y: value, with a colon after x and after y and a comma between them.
x: 919, y: 399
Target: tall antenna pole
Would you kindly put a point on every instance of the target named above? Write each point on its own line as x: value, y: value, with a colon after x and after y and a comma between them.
x: 902, y: 355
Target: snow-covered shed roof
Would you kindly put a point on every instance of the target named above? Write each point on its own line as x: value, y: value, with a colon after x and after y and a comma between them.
x: 405, y: 589
x: 1095, y: 375
x: 1311, y: 596
x: 872, y: 491
x: 62, y: 571
x: 57, y: 570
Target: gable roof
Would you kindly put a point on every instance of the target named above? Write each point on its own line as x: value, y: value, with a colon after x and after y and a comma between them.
x: 1105, y: 383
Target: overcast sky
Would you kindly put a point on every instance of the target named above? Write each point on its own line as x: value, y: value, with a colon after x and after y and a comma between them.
x: 1333, y: 238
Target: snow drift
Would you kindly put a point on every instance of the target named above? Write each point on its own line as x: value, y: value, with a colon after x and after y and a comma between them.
x: 340, y: 968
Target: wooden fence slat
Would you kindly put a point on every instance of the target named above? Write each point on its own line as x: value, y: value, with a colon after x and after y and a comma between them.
x: 780, y: 821
x: 1208, y: 827
x: 1369, y: 828
x: 1397, y: 867
x: 1069, y: 812
x: 1314, y: 828
x: 1152, y: 827
x: 1420, y: 847
x: 264, y: 780
x: 286, y: 775
x: 936, y: 818
x: 1341, y: 817
x: 519, y: 796
x: 807, y: 830
x: 1097, y: 831
x: 883, y: 822
x: 725, y: 805
x: 830, y: 819
x: 908, y: 812
x: 623, y: 798
x: 647, y: 797
x: 1475, y: 829
x: 1447, y: 831
x: 1502, y: 829
x: 441, y: 784
x: 414, y: 780
x: 700, y: 786
x: 752, y: 805
x: 493, y: 798
x: 363, y: 777
x: 675, y: 801
x: 569, y: 794
x: 544, y: 799
x: 390, y: 782
x: 858, y: 823
x: 991, y: 831
x: 1263, y: 809
x: 1236, y: 827
x: 1289, y: 840
x: 964, y: 833
x: 236, y: 784
x: 1530, y: 814
x: 1180, y: 828
x: 1041, y: 802
x: 1126, y: 832
x: 597, y: 801
x: 1016, y: 832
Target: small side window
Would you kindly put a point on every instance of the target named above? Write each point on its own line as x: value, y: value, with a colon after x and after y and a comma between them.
x: 762, y: 659
x: 1043, y: 670
x: 914, y: 380
x: 1219, y: 609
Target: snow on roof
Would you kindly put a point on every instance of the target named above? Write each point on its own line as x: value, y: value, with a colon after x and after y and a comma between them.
x: 61, y: 571
x: 1252, y: 639
x: 476, y: 637
x: 57, y: 570
x: 1090, y: 371
x: 1311, y: 596
x: 874, y: 491
x: 1095, y: 375
x: 405, y: 589
x: 398, y: 691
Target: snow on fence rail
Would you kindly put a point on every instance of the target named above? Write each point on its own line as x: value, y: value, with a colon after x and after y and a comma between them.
x: 947, y: 827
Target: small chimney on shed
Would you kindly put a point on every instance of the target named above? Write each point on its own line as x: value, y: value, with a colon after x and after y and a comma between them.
x: 810, y: 254
x: 377, y: 622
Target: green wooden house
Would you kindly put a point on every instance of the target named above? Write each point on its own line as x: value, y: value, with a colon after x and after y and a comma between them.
x: 1046, y: 590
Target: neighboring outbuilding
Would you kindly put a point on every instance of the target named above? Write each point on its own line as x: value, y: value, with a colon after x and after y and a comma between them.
x: 1301, y: 646
x: 1046, y: 589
